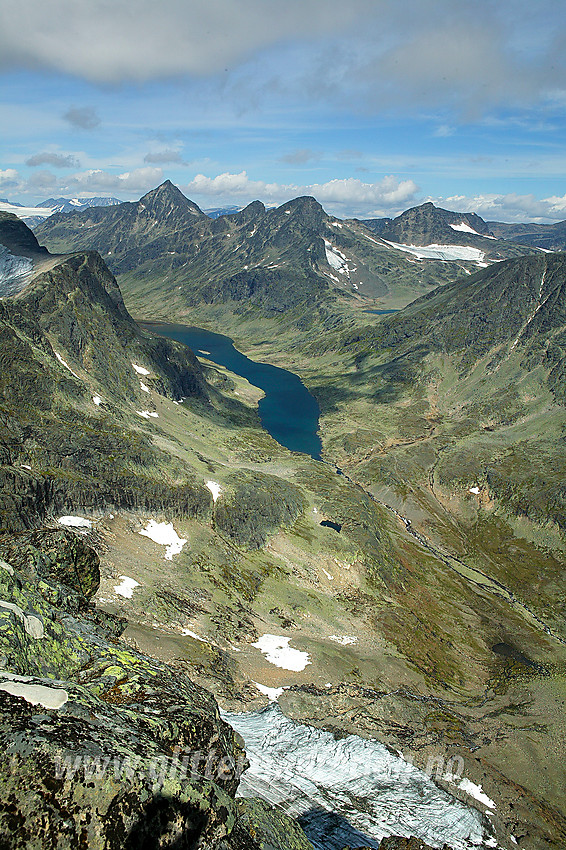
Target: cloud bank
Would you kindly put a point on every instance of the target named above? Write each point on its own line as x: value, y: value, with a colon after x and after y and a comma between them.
x: 370, y: 53
x: 349, y: 196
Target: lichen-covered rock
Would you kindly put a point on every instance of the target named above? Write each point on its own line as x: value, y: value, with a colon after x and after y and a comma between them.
x: 57, y: 554
x: 261, y: 827
x: 103, y: 747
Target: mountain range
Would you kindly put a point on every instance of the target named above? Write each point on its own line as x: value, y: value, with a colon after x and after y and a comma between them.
x: 294, y: 258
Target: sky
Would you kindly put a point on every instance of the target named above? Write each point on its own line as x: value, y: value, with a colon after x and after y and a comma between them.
x: 371, y: 106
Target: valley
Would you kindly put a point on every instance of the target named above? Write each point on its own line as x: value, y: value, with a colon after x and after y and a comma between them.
x: 423, y: 587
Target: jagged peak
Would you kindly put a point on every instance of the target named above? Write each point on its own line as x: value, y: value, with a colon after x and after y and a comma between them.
x: 168, y: 193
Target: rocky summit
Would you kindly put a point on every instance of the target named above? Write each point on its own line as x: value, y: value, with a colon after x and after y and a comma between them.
x: 382, y: 621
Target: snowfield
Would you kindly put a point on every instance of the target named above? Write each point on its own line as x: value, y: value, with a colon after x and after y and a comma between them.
x: 440, y: 252
x: 75, y: 521
x: 336, y: 259
x: 126, y: 587
x: 215, y: 489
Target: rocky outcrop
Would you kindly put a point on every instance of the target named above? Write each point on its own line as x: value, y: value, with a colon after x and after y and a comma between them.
x: 18, y: 238
x: 54, y: 554
x: 254, y: 506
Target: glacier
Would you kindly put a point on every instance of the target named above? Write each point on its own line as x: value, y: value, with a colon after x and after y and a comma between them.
x: 14, y: 272
x: 348, y: 791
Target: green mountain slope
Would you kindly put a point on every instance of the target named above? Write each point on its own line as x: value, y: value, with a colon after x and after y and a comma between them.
x: 459, y: 403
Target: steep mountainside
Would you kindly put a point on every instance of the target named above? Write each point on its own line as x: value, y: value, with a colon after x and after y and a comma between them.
x: 56, y: 417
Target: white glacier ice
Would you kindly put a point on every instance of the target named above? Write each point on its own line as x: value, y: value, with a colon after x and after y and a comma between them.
x: 348, y: 791
x: 13, y: 271
x: 440, y: 252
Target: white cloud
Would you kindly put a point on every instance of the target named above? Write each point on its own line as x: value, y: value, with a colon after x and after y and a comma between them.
x: 97, y: 180
x: 348, y: 197
x: 9, y: 178
x: 510, y: 207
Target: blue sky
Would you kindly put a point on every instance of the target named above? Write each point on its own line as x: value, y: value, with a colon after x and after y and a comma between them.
x: 370, y: 106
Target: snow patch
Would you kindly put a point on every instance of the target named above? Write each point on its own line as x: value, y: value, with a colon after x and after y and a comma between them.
x: 144, y: 387
x: 164, y: 534
x: 474, y: 490
x: 215, y: 489
x: 343, y: 640
x: 97, y: 400
x: 147, y: 414
x: 464, y: 228
x: 189, y: 633
x: 476, y: 792
x: 277, y: 651
x: 336, y: 259
x: 271, y: 693
x: 440, y: 252
x: 75, y: 521
x: 327, y: 574
x: 65, y: 364
x: 141, y: 370
x: 126, y: 587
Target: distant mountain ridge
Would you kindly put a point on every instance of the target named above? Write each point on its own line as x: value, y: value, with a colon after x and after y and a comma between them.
x: 293, y: 257
x: 549, y: 237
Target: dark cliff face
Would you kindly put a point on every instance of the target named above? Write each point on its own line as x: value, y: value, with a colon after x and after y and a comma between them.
x: 18, y: 238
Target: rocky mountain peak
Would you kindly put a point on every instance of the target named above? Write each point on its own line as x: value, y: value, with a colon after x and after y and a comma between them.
x: 308, y: 208
x: 167, y: 198
x: 427, y: 224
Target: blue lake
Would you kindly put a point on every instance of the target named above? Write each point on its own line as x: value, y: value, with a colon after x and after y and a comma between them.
x: 288, y: 411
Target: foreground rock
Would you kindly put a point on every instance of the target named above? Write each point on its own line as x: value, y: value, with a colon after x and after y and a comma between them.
x: 106, y: 748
